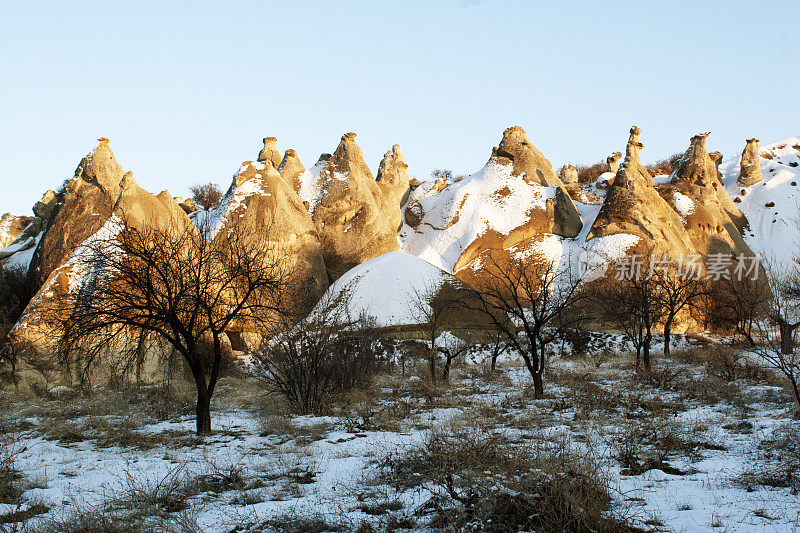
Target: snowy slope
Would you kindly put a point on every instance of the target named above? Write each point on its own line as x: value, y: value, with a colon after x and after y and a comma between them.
x: 385, y: 287
x: 490, y: 199
x: 463, y: 211
x: 772, y: 207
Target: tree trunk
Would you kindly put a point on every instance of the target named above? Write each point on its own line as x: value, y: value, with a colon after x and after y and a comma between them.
x: 646, y: 352
x: 446, y: 371
x: 795, y: 389
x: 203, y: 408
x: 667, y: 332
x: 538, y: 385
x: 787, y: 337
x: 432, y: 365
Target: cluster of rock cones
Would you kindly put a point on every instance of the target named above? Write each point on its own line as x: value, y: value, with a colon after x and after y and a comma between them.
x: 336, y: 215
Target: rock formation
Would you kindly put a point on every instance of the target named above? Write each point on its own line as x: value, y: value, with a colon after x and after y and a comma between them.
x: 510, y: 206
x: 81, y: 208
x: 568, y: 174
x: 356, y: 218
x: 11, y: 226
x: 393, y: 174
x: 90, y: 207
x: 19, y: 251
x: 709, y: 214
x: 261, y: 204
x: 270, y: 152
x: 750, y: 172
x: 612, y: 162
x: 292, y: 170
x: 633, y: 207
x: 188, y: 205
x: 531, y: 164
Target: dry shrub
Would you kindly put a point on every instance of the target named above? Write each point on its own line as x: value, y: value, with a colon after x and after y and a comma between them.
x: 647, y: 442
x: 587, y: 394
x: 10, y: 490
x: 481, y: 480
x: 590, y: 173
x: 776, y: 460
x: 206, y: 195
x: 664, y: 166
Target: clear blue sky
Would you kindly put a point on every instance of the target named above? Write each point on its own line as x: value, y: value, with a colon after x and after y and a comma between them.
x: 186, y: 91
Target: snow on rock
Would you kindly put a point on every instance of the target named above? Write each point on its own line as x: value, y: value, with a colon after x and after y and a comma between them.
x: 683, y: 204
x: 491, y: 200
x: 771, y: 206
x: 385, y: 287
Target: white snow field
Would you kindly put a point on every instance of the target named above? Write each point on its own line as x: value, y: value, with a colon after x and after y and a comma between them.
x: 682, y: 450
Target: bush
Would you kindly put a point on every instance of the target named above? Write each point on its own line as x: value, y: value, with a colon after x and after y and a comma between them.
x: 321, y: 358
x: 207, y: 195
x: 664, y: 166
x: 776, y: 461
x: 590, y: 173
x: 481, y: 481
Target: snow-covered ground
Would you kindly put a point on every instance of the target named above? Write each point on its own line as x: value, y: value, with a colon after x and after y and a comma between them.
x: 697, y: 435
x: 772, y: 206
x: 390, y: 288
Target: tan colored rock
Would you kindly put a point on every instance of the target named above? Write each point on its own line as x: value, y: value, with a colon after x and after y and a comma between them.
x: 633, y: 207
x: 357, y: 219
x: 11, y: 227
x: 531, y: 163
x: 292, y: 170
x: 710, y: 220
x: 270, y: 152
x: 504, y: 210
x: 19, y: 250
x: 262, y: 204
x: 44, y: 207
x: 141, y: 209
x: 393, y: 174
x: 83, y: 206
x: 750, y: 170
x: 188, y: 205
x: 612, y: 162
x: 568, y: 174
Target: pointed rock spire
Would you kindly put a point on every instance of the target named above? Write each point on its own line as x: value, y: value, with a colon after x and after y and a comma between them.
x: 270, y: 152
x: 633, y: 207
x: 750, y: 170
x: 292, y: 170
x: 714, y: 222
x: 568, y: 174
x: 355, y: 217
x: 612, y: 162
x: 393, y: 174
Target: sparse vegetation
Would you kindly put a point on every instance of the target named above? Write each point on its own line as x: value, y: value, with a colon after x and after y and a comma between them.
x: 176, y: 287
x: 322, y: 357
x: 206, y: 195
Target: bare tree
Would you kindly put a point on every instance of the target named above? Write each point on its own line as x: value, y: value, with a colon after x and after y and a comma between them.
x: 324, y: 355
x: 784, y: 306
x: 206, y: 195
x: 16, y: 290
x: 770, y: 348
x: 633, y: 302
x: 451, y: 347
x: 498, y: 345
x: 738, y: 304
x: 445, y: 174
x: 173, y: 287
x: 522, y: 298
x: 434, y: 307
x: 678, y: 291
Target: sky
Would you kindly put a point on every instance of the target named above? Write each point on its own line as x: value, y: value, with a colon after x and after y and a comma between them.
x: 185, y: 91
